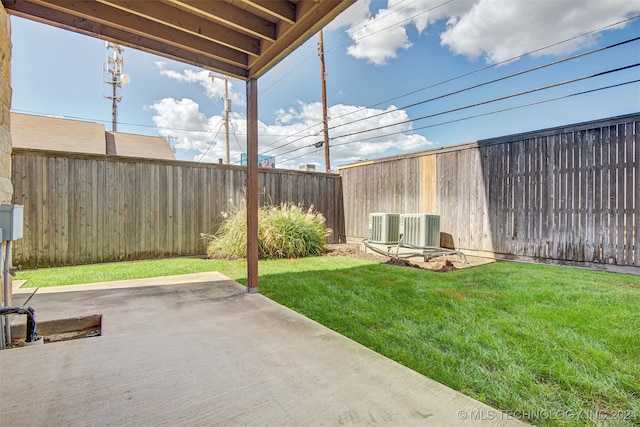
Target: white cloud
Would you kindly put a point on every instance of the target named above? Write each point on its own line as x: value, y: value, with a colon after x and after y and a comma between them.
x: 357, y: 12
x: 214, y: 88
x: 293, y: 134
x: 354, y: 139
x: 192, y: 128
x: 497, y: 30
x: 379, y: 37
x: 503, y: 29
x: 347, y: 144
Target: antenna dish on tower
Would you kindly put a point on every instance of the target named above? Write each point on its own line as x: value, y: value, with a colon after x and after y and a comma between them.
x: 112, y: 70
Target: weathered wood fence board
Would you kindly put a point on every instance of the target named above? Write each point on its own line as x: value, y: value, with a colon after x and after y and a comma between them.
x: 81, y: 209
x: 568, y: 194
x: 391, y: 186
x: 564, y: 194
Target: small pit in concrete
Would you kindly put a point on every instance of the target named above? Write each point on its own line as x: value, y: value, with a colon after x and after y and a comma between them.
x: 60, y: 330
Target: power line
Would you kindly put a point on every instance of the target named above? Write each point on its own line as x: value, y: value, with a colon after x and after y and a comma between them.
x: 519, y: 73
x: 91, y: 120
x: 352, y: 40
x: 236, y: 138
x: 460, y: 77
x: 494, y: 65
x: 557, y: 98
x: 298, y: 64
x: 457, y: 92
x: 502, y: 98
x: 395, y: 8
x: 391, y: 10
x: 210, y: 143
x: 354, y: 112
x: 291, y: 142
x: 387, y: 12
x: 479, y: 104
x: 401, y: 22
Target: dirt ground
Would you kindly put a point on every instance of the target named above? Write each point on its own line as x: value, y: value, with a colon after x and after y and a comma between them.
x: 440, y: 264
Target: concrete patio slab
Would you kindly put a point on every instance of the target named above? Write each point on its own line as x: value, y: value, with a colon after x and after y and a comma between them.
x: 198, y: 350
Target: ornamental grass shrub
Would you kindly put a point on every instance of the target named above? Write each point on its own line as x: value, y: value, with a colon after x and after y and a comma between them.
x: 284, y: 231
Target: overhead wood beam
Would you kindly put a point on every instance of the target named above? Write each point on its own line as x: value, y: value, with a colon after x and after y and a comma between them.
x: 279, y: 9
x: 306, y: 26
x: 188, y: 22
x: 110, y: 17
x: 80, y: 25
x: 229, y: 15
x: 158, y: 32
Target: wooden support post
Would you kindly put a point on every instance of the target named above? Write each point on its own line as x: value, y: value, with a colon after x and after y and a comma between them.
x: 252, y: 186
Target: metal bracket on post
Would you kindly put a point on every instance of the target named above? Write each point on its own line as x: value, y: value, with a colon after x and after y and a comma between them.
x: 11, y: 217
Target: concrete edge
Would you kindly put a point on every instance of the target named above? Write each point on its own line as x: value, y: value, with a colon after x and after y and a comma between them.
x: 210, y: 276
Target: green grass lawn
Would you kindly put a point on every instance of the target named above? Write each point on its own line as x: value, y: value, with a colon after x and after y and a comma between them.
x: 541, y: 341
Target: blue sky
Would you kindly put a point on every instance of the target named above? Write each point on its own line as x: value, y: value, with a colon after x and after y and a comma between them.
x: 375, y: 53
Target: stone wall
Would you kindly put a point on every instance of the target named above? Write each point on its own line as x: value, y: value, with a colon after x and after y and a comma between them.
x: 6, y: 189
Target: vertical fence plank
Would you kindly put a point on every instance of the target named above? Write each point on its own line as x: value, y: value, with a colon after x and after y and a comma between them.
x: 588, y: 194
x: 543, y: 198
x: 577, y: 239
x: 608, y: 195
x: 636, y: 173
x: 498, y: 205
x: 563, y: 211
x: 627, y: 173
x: 595, y: 201
x: 62, y: 210
x: 555, y: 182
x: 621, y: 194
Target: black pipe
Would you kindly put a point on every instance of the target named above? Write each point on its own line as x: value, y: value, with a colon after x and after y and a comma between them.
x: 32, y: 334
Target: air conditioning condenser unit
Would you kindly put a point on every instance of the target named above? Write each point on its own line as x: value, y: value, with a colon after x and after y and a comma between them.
x: 384, y: 228
x: 420, y: 230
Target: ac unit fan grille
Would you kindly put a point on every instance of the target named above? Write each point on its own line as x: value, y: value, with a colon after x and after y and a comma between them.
x: 420, y: 230
x: 384, y: 228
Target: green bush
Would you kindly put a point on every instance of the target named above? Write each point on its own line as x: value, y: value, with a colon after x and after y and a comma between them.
x: 284, y: 231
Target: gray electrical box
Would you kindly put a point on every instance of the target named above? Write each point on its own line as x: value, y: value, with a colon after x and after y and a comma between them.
x: 11, y: 221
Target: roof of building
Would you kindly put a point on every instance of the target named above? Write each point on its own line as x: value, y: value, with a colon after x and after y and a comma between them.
x: 74, y: 136
x: 131, y: 145
x: 56, y: 134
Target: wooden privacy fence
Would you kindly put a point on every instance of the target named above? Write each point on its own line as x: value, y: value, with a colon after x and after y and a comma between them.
x: 565, y: 194
x: 81, y: 209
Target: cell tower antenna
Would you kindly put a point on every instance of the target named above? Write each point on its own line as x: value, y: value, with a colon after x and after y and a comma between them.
x: 113, y: 75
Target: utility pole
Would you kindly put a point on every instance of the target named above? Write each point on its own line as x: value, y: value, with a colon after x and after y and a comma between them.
x: 325, y: 119
x: 227, y: 110
x: 116, y: 78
